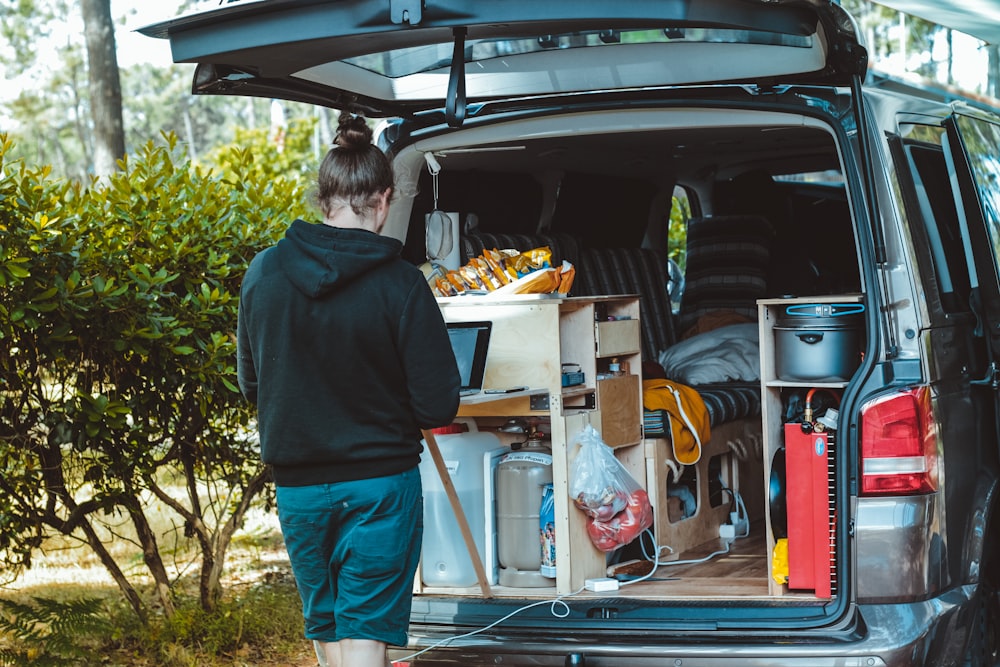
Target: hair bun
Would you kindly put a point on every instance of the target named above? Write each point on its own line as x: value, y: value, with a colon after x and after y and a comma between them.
x: 352, y: 132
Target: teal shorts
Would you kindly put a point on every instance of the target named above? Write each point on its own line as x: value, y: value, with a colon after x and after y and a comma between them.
x: 354, y: 548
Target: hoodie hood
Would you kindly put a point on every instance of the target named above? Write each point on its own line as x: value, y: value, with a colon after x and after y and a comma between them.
x: 319, y: 258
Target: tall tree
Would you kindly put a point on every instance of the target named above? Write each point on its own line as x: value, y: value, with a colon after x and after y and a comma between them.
x: 105, y: 85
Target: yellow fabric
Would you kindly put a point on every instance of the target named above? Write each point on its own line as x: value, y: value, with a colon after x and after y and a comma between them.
x: 689, y: 425
x: 779, y: 562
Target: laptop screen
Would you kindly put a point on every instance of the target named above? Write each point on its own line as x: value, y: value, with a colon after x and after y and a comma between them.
x: 470, y: 341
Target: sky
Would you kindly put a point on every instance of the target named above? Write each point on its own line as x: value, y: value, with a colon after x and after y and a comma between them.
x: 133, y: 47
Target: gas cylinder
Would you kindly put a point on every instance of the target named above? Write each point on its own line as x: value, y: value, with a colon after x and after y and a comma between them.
x: 522, y: 477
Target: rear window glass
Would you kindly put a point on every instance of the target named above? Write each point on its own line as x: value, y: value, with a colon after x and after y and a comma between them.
x: 404, y: 62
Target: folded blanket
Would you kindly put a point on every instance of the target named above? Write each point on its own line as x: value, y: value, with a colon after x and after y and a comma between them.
x: 726, y: 354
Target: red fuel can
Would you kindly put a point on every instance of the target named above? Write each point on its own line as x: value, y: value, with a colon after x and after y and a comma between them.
x: 808, y: 509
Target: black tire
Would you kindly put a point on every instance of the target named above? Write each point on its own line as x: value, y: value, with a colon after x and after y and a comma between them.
x: 982, y: 647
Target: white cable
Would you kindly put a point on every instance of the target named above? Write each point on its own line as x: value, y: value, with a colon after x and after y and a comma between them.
x: 554, y: 602
x: 740, y: 505
x: 655, y: 561
x: 676, y: 469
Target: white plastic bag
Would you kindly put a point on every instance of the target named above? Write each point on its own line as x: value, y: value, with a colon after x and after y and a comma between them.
x: 617, y: 505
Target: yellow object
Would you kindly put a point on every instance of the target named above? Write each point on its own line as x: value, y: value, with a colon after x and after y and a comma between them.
x: 567, y: 272
x: 543, y: 281
x: 779, y: 562
x: 689, y: 425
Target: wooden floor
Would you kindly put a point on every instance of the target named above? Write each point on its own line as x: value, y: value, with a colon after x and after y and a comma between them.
x: 740, y: 572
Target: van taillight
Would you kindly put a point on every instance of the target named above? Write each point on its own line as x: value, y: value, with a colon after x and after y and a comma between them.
x: 899, y: 444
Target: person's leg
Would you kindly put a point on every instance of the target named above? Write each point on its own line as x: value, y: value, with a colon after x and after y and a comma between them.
x: 320, y: 648
x: 378, y: 555
x: 310, y: 524
x: 355, y: 653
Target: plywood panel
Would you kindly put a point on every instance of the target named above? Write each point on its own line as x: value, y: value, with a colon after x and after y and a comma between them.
x: 621, y: 416
x: 619, y: 337
x: 584, y: 559
x: 524, y: 347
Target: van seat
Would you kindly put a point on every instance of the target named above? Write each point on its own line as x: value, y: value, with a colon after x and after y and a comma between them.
x: 725, y: 402
x: 728, y: 260
x: 611, y: 271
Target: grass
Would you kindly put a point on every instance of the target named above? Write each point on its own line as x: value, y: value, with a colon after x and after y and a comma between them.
x: 66, y: 610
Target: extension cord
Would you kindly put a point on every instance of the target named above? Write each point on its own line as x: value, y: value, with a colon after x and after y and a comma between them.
x: 738, y: 527
x: 740, y: 524
x: 601, y: 584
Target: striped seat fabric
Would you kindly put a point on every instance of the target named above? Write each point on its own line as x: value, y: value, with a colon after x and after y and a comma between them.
x: 606, y: 271
x: 724, y: 402
x: 728, y: 260
x: 632, y: 271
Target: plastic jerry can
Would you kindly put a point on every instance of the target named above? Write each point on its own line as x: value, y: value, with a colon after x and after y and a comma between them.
x: 470, y: 458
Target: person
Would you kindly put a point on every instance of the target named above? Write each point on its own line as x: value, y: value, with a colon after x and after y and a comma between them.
x: 344, y: 350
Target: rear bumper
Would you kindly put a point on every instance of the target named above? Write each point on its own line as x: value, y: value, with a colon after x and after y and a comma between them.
x: 892, y: 635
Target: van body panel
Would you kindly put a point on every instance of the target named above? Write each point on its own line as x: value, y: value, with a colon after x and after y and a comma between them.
x: 900, y: 549
x: 923, y: 632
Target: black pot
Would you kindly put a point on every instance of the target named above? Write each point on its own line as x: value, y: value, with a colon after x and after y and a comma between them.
x: 818, y: 342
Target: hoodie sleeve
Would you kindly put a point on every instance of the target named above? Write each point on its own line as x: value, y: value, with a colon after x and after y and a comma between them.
x: 431, y: 370
x: 246, y: 371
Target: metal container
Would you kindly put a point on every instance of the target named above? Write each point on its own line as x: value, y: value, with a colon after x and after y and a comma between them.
x: 522, y: 477
x: 818, y: 342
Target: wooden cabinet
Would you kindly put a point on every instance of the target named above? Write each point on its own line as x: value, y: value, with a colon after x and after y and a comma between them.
x: 774, y: 395
x: 533, y: 338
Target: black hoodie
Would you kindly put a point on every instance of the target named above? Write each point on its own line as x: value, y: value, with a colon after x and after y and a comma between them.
x: 343, y: 348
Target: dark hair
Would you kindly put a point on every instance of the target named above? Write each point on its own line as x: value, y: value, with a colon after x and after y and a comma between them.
x: 354, y: 170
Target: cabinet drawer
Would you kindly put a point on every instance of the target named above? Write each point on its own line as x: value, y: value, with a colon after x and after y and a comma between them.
x: 617, y: 337
x: 618, y: 401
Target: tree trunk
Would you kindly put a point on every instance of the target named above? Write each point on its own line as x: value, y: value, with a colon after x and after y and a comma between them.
x: 151, y: 555
x: 214, y: 558
x: 105, y: 86
x: 112, y: 567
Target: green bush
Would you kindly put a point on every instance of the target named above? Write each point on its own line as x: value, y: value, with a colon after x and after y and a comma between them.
x: 117, y: 316
x: 259, y: 625
x: 51, y: 632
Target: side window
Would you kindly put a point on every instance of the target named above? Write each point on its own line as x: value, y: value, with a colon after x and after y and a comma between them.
x: 932, y: 194
x: 680, y: 214
x: 980, y: 139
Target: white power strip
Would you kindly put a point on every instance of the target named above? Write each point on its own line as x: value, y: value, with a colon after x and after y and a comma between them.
x: 738, y: 527
x: 601, y: 584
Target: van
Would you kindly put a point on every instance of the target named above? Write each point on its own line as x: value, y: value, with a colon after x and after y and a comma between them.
x: 836, y: 237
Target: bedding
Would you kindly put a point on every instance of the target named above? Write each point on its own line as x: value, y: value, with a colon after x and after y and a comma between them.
x: 727, y: 354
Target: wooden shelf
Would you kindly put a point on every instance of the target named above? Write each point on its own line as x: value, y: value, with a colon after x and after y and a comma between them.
x: 532, y: 338
x: 769, y: 310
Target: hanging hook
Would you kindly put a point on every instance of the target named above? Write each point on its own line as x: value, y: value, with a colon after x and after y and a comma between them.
x: 434, y: 167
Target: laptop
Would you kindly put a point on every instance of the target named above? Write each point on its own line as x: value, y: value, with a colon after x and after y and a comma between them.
x: 470, y: 341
